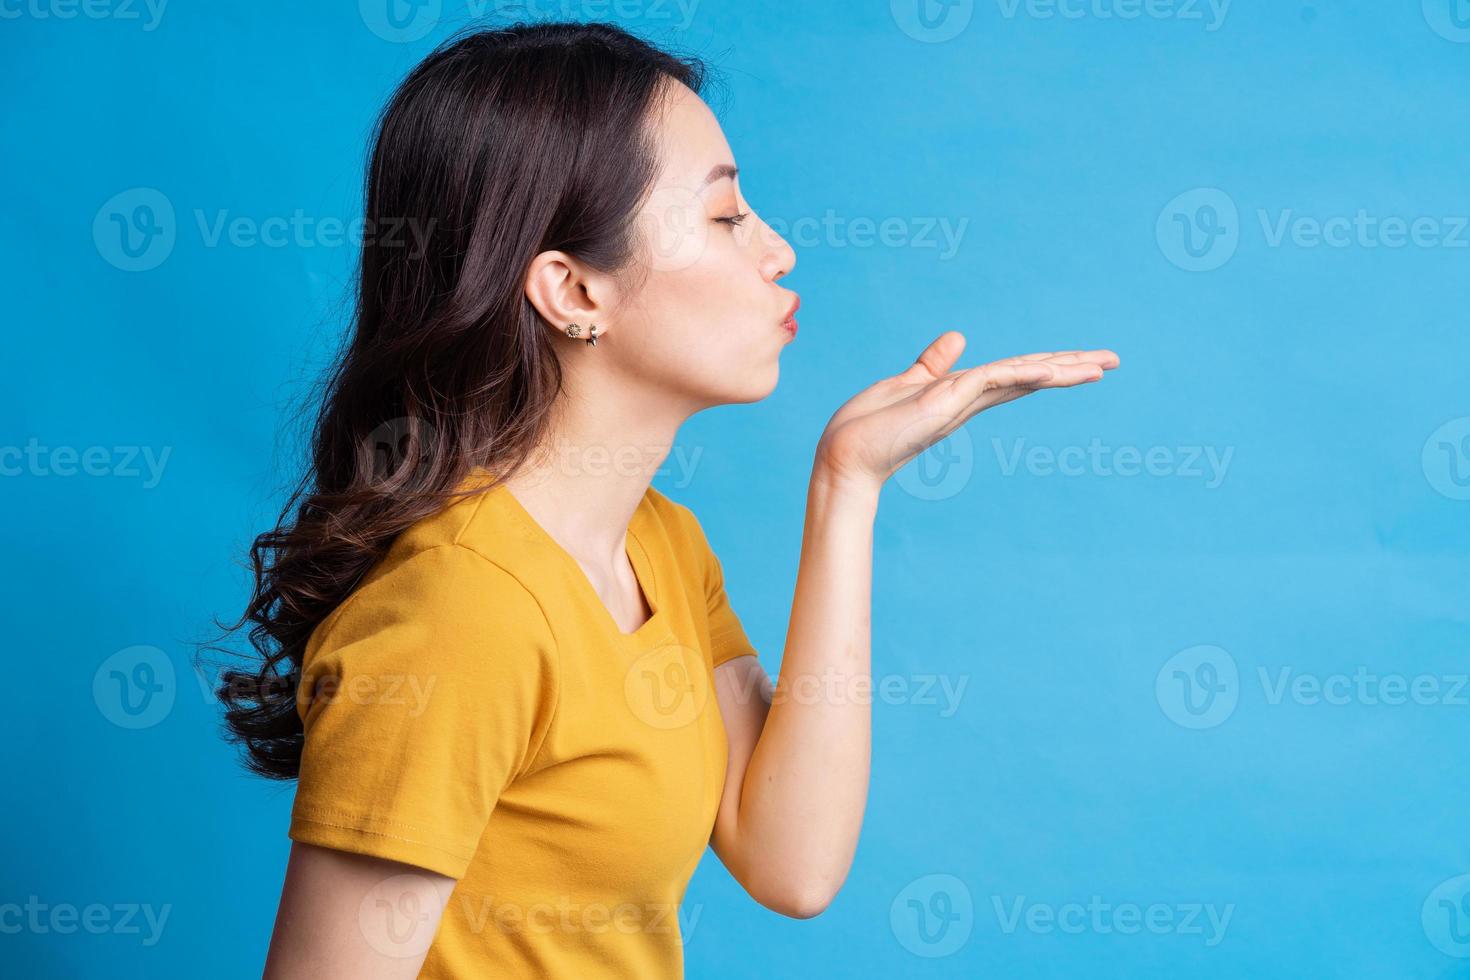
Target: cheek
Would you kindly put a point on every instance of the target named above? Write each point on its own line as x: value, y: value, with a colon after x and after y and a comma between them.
x: 724, y: 308
x: 701, y: 339
x: 718, y: 292
x: 706, y: 331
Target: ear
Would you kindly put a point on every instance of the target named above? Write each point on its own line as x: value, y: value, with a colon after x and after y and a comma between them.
x: 564, y: 291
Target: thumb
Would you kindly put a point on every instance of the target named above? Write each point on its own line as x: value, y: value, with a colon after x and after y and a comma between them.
x: 938, y: 358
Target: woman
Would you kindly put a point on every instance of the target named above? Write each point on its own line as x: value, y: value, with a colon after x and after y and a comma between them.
x: 502, y: 666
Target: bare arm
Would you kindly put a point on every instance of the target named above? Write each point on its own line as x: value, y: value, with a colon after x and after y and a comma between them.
x: 353, y: 917
x: 797, y: 779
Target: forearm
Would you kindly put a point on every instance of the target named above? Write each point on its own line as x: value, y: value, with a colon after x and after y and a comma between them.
x: 790, y: 817
x: 805, y: 788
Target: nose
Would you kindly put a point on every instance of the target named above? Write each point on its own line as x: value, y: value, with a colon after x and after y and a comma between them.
x: 778, y: 258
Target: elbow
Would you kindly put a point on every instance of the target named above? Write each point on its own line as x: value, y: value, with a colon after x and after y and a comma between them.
x: 793, y: 888
x: 798, y: 902
x: 806, y: 907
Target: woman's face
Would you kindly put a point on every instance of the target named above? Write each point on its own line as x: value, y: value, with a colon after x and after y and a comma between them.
x: 706, y: 315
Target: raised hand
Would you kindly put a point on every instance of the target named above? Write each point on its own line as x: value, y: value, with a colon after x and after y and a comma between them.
x: 881, y: 428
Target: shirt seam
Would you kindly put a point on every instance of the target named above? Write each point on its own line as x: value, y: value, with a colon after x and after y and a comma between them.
x: 328, y: 624
x: 329, y: 621
x: 651, y: 565
x: 357, y: 827
x: 535, y: 756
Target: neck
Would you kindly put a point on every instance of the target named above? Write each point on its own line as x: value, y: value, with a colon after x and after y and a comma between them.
x: 606, y: 440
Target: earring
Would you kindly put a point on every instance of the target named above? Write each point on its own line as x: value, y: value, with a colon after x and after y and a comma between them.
x: 592, y: 336
x: 573, y: 330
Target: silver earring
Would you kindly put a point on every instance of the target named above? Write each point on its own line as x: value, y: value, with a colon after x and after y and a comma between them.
x: 573, y: 330
x: 592, y: 336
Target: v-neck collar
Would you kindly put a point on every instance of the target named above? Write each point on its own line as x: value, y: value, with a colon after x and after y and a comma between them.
x: 638, y: 557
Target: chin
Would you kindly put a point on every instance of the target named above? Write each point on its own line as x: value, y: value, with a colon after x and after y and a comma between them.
x: 754, y: 385
x: 768, y: 384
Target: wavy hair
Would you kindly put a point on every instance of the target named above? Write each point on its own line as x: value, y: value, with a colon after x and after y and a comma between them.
x: 501, y: 144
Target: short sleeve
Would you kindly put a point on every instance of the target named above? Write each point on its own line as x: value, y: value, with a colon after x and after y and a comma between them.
x: 728, y: 639
x: 423, y: 697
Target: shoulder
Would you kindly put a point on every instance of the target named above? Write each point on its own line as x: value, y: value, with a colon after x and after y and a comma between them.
x: 677, y: 515
x: 685, y: 532
x: 430, y: 603
x: 688, y: 542
x: 470, y: 521
x: 670, y: 511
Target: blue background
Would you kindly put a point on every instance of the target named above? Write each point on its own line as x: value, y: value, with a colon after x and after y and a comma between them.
x: 1078, y: 762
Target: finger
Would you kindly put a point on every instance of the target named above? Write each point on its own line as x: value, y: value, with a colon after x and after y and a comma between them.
x: 992, y: 397
x: 988, y: 400
x: 968, y: 385
x: 937, y: 358
x: 1043, y: 355
x: 1063, y: 376
x: 1067, y: 375
x: 972, y: 384
x: 1102, y: 357
x: 1028, y: 377
x: 998, y: 383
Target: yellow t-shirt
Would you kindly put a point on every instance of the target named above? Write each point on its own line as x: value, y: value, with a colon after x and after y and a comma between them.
x: 479, y: 713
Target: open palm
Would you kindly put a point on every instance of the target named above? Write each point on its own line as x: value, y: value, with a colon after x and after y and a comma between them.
x: 882, y: 427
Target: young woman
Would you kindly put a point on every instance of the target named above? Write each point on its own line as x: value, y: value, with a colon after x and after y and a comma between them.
x: 502, y: 667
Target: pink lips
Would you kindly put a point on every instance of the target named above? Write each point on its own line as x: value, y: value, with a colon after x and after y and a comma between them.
x: 790, y: 322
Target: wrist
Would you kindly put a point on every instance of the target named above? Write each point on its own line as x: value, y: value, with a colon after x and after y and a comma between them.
x: 833, y: 487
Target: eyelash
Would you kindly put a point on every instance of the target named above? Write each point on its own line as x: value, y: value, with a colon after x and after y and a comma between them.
x: 734, y: 219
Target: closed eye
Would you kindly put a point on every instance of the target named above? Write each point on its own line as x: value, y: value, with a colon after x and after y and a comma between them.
x: 734, y: 219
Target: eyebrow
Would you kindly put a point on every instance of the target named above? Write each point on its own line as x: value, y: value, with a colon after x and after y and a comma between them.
x: 720, y: 171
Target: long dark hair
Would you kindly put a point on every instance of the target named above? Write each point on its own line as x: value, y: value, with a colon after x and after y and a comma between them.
x: 501, y: 144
